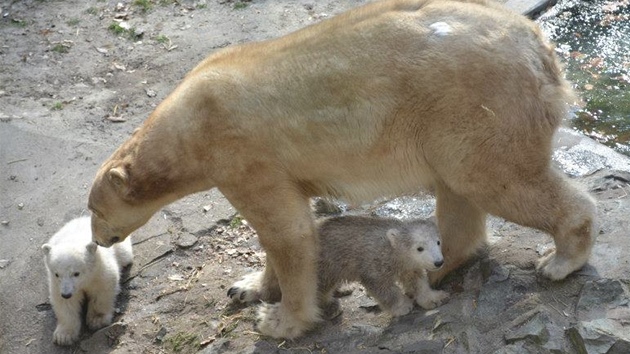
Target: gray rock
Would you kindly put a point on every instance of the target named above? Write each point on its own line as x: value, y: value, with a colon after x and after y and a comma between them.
x: 600, y: 295
x: 219, y: 346
x: 534, y: 331
x: 4, y: 263
x: 186, y: 240
x: 499, y: 274
x: 601, y: 336
x: 363, y: 330
x: 523, y: 348
x: 419, y: 347
x: 104, y: 339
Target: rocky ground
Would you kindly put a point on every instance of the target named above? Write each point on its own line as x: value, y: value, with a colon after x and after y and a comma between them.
x: 76, y: 77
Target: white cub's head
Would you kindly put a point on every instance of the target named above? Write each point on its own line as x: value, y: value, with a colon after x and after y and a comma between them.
x: 69, y: 266
x: 419, y: 243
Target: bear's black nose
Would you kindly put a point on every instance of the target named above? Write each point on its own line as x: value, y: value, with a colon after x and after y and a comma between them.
x: 438, y: 263
x: 66, y: 296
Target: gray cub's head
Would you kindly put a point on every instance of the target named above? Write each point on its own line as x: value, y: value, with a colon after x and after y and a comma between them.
x: 419, y: 242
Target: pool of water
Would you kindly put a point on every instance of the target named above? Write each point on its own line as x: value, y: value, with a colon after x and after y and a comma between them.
x: 593, y: 38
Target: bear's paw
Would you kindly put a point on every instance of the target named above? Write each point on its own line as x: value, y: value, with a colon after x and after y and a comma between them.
x: 246, y: 289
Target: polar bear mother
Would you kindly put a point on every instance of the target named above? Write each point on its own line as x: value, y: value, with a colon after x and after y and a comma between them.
x: 462, y: 97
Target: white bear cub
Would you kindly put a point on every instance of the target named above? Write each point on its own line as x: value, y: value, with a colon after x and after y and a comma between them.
x: 80, y: 271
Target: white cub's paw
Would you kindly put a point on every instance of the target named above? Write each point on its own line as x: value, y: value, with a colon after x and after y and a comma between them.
x: 275, y: 321
x: 98, y: 320
x: 246, y: 289
x: 555, y: 267
x: 403, y: 307
x: 432, y: 299
x: 66, y: 336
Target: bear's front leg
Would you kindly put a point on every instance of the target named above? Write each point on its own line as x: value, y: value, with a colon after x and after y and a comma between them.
x: 462, y: 228
x: 282, y: 218
x: 295, y: 264
x: 257, y: 286
x: 68, y: 313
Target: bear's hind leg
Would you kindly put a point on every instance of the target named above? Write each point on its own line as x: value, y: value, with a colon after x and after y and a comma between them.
x: 550, y: 203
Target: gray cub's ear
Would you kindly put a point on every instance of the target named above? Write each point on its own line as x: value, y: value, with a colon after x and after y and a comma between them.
x: 392, y: 236
x: 118, y: 177
x: 46, y: 248
x: 91, y: 247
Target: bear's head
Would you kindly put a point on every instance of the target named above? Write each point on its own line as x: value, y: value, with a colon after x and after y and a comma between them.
x: 418, y: 244
x: 69, y: 266
x: 115, y: 211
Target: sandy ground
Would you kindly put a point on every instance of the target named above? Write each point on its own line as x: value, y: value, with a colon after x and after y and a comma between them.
x: 76, y: 77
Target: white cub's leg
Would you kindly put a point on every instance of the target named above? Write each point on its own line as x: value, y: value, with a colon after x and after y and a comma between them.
x: 124, y: 253
x: 101, y: 304
x: 68, y: 313
x: 100, y: 312
x: 247, y: 289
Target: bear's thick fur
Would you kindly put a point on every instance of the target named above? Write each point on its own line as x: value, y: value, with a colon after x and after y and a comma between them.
x: 81, y: 272
x: 461, y: 97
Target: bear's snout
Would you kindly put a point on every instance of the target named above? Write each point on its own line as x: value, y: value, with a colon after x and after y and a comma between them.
x: 66, y: 295
x: 439, y: 263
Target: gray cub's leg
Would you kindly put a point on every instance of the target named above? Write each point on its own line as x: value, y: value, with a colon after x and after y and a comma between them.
x: 388, y: 295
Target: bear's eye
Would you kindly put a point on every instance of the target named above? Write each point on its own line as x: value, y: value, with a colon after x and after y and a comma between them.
x: 420, y: 249
x: 438, y: 243
x: 57, y: 275
x: 76, y: 274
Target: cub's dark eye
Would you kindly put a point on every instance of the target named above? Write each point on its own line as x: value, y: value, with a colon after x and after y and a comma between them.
x: 438, y: 243
x: 420, y: 249
x: 76, y: 274
x: 115, y: 239
x: 57, y: 275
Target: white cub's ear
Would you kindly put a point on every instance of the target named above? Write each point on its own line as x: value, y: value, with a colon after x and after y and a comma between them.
x: 46, y: 248
x: 392, y: 236
x: 118, y: 177
x: 91, y: 247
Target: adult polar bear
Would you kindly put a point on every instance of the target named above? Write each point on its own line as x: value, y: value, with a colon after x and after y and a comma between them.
x: 462, y: 97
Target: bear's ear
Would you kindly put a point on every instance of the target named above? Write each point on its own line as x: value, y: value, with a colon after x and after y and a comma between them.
x: 46, y: 248
x: 117, y: 176
x: 392, y: 236
x: 91, y: 247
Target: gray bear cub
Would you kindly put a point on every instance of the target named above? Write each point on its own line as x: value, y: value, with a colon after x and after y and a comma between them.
x: 379, y: 253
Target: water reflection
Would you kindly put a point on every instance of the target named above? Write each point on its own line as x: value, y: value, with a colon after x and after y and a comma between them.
x: 593, y: 38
